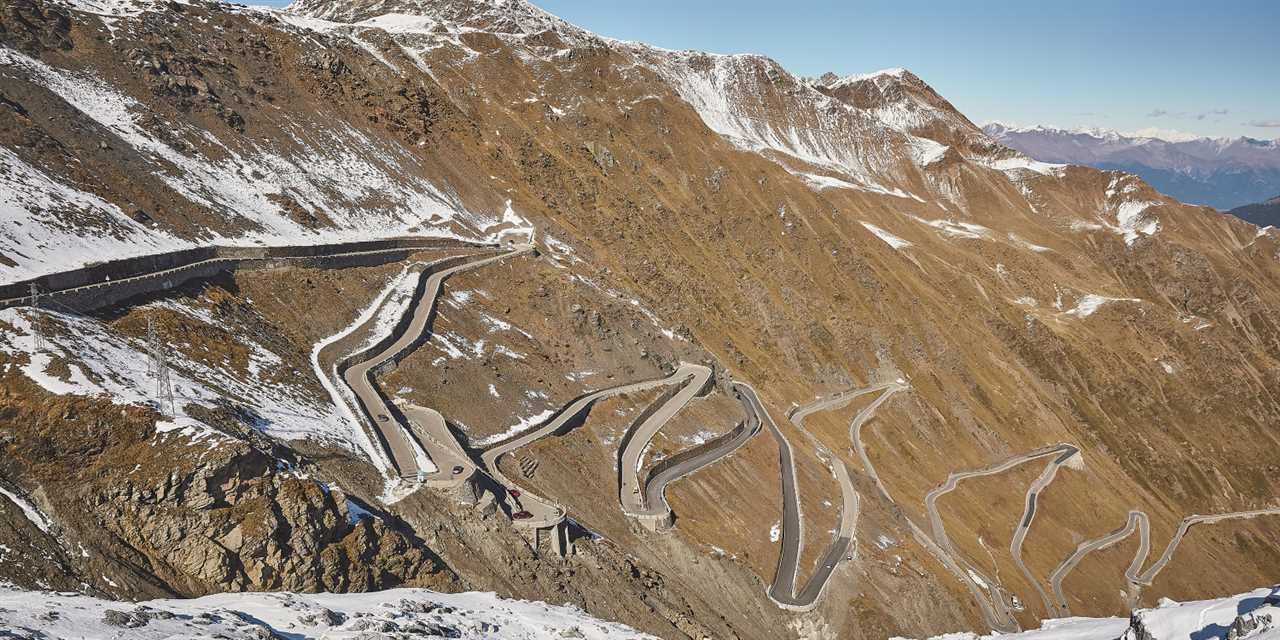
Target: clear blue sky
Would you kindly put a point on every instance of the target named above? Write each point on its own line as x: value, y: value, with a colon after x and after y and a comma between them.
x: 1205, y: 67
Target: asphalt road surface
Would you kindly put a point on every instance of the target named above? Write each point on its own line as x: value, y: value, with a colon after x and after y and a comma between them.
x: 419, y: 434
x: 1190, y: 521
x: 1135, y: 520
x: 695, y: 459
x: 1029, y: 514
x: 632, y: 499
x: 545, y: 513
x: 783, y: 590
x: 405, y: 452
x: 160, y: 275
x: 999, y: 606
x: 429, y: 429
x: 1139, y: 521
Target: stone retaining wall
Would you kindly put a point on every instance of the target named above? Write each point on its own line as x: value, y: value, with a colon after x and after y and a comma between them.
x: 715, y: 443
x: 108, y: 283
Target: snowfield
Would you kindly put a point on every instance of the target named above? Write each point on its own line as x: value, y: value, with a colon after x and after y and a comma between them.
x: 1198, y: 620
x: 411, y: 612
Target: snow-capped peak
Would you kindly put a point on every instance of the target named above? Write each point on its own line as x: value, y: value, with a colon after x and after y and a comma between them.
x: 514, y: 17
x: 896, y: 73
x: 997, y: 128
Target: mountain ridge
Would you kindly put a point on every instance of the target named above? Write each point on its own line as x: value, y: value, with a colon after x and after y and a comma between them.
x: 1263, y: 214
x: 1219, y: 172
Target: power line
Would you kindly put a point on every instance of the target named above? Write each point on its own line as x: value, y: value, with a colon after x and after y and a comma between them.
x: 37, y: 320
x: 158, y: 368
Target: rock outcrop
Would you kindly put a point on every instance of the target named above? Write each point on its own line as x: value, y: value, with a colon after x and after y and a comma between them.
x: 145, y: 514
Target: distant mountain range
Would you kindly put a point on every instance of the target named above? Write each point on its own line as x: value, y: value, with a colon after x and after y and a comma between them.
x: 1223, y: 173
x: 1263, y: 214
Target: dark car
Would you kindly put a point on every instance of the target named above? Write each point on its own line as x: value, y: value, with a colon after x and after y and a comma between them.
x: 457, y: 469
x: 514, y: 493
x: 521, y: 515
x: 383, y: 417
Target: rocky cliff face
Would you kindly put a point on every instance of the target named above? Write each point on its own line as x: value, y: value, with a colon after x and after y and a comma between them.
x: 804, y: 236
x: 133, y: 513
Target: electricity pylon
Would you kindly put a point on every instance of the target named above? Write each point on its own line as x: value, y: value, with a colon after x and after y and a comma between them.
x: 158, y: 368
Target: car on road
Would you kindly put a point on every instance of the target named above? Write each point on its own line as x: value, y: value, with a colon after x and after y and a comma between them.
x: 521, y: 515
x: 457, y: 469
x: 514, y: 493
x: 383, y: 417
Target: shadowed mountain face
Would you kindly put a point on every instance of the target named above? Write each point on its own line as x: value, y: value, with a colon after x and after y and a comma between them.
x: 802, y: 237
x: 1221, y: 173
x: 1263, y: 214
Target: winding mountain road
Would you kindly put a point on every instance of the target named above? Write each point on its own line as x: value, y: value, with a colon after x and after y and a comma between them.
x: 1029, y: 513
x: 1146, y: 578
x: 855, y: 434
x: 429, y: 429
x: 1135, y: 520
x: 407, y: 453
x: 1139, y: 521
x: 994, y: 610
x: 783, y: 590
x: 420, y: 446
x: 694, y: 459
x: 998, y: 612
x: 544, y: 513
x: 836, y: 401
x: 629, y: 492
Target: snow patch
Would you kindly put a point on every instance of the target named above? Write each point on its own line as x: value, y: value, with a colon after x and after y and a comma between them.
x: 926, y: 152
x: 520, y: 427
x: 818, y: 182
x: 1133, y: 223
x: 1013, y: 237
x: 1019, y: 164
x: 356, y: 513
x: 1090, y: 303
x: 888, y: 238
x: 41, y: 521
x: 950, y: 228
x: 1169, y: 619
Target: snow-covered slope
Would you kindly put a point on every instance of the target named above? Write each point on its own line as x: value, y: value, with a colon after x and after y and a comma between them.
x: 1253, y: 616
x: 317, y: 181
x: 415, y: 613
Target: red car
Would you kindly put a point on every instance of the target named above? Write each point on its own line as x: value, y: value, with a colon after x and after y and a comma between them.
x: 521, y: 515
